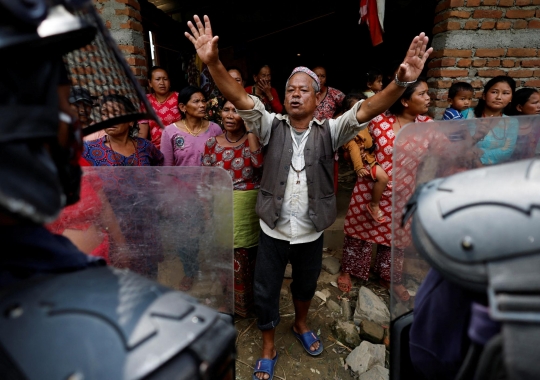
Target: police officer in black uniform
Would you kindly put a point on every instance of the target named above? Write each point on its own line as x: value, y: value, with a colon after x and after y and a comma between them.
x: 66, y: 315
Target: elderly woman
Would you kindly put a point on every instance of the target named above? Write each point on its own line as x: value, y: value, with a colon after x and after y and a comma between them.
x: 239, y: 152
x: 262, y: 88
x: 163, y: 101
x: 331, y: 97
x: 182, y: 142
x: 361, y: 230
x: 495, y: 142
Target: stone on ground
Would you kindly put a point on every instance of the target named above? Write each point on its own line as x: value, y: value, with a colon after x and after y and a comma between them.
x: 333, y: 306
x: 376, y: 373
x: 331, y: 265
x: 370, y: 307
x: 288, y: 271
x: 366, y: 356
x: 346, y: 333
x: 371, y: 332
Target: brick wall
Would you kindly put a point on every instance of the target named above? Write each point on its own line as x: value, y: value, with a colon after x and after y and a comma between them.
x: 123, y: 19
x: 475, y: 40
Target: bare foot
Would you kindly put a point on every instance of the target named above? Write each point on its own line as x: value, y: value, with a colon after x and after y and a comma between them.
x: 304, y: 329
x: 344, y: 282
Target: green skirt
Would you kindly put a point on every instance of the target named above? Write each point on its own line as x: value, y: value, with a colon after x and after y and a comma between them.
x: 246, y: 221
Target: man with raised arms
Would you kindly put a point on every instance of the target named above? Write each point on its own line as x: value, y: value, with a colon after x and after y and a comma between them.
x: 296, y: 201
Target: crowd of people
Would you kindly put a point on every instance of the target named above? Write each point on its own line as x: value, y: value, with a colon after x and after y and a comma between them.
x: 279, y: 215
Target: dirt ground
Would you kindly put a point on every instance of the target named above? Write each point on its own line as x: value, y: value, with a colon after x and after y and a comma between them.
x: 294, y: 362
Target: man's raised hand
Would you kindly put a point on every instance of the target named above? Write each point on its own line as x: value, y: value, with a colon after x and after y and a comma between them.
x: 413, y: 64
x: 201, y: 37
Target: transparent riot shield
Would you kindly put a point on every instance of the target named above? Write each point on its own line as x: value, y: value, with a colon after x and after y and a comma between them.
x: 423, y: 152
x: 173, y: 225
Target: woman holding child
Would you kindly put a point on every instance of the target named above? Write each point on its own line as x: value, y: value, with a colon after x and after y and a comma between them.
x: 369, y: 223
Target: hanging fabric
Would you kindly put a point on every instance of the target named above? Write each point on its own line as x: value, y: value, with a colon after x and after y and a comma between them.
x: 370, y: 15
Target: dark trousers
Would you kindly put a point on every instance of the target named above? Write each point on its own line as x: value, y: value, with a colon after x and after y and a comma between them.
x: 272, y: 258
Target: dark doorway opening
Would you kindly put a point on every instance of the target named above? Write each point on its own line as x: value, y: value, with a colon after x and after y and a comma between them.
x: 285, y: 34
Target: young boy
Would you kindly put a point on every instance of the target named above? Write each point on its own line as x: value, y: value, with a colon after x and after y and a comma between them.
x: 460, y: 98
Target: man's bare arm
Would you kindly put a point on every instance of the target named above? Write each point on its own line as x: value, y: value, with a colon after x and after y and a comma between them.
x: 206, y: 46
x: 409, y: 71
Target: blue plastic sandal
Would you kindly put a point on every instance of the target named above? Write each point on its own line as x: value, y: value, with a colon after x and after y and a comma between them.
x: 265, y: 366
x: 307, y: 339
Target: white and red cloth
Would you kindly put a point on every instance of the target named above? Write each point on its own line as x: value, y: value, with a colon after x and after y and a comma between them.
x: 372, y: 14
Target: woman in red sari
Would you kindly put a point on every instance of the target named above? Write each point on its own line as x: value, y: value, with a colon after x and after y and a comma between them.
x: 361, y: 230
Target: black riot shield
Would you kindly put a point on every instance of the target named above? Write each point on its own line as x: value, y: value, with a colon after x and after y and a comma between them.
x: 426, y: 151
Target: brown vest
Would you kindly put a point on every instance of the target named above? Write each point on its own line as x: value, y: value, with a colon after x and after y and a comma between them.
x: 319, y: 160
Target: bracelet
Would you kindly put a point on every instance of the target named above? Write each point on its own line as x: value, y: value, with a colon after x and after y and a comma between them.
x: 247, y: 132
x: 403, y: 84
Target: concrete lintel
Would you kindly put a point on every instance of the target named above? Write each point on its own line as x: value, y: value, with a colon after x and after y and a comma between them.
x: 487, y: 39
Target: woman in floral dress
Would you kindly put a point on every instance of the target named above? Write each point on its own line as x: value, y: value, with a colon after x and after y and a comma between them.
x: 239, y: 152
x: 361, y: 230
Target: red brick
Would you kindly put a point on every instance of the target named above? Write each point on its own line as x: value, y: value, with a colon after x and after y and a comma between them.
x: 452, y: 73
x: 519, y: 13
x: 451, y: 14
x: 487, y: 25
x: 457, y: 3
x: 134, y: 25
x: 534, y: 24
x: 490, y: 2
x: 521, y: 73
x: 439, y: 83
x: 464, y: 63
x: 520, y: 24
x: 445, y: 62
x: 520, y: 52
x: 537, y: 73
x: 129, y: 12
x: 530, y: 63
x: 490, y: 73
x: 503, y: 25
x: 479, y: 62
x: 477, y: 84
x: 506, y: 3
x: 473, y: 3
x: 532, y: 83
x: 132, y: 3
x: 494, y: 63
x: 130, y: 49
x: 508, y: 63
x: 538, y: 12
x: 536, y: 2
x: 133, y: 61
x: 445, y: 26
x: 471, y: 24
x: 487, y: 13
x: 457, y: 53
x: 523, y: 2
x: 108, y: 24
x: 442, y: 6
x: 489, y: 52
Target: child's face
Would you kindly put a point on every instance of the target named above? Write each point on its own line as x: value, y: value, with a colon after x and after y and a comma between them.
x: 461, y: 101
x: 376, y: 86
